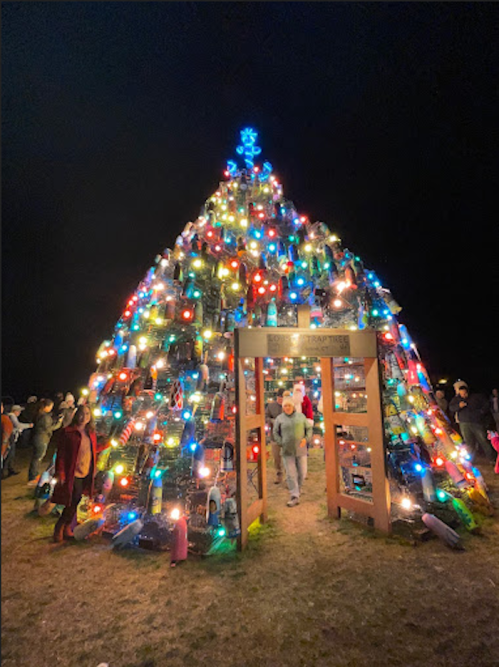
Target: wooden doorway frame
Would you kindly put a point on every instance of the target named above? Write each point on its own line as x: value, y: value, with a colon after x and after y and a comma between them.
x: 324, y: 344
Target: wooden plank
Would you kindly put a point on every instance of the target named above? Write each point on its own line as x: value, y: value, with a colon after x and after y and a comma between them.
x: 304, y: 316
x: 351, y: 418
x: 381, y: 489
x: 241, y: 439
x: 262, y: 457
x: 356, y: 505
x: 330, y: 448
x: 253, y: 512
x: 253, y: 421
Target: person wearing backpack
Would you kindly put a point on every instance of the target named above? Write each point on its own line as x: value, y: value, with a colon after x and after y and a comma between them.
x: 292, y: 431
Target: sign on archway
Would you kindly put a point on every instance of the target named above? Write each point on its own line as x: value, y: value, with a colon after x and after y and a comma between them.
x: 354, y: 450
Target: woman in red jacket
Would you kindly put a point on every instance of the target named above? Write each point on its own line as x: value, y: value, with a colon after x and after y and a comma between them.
x: 74, y: 468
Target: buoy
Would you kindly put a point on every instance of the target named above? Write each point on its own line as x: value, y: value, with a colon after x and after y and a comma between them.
x: 213, y: 506
x: 87, y: 528
x: 156, y: 495
x: 465, y: 515
x: 443, y: 531
x: 127, y: 534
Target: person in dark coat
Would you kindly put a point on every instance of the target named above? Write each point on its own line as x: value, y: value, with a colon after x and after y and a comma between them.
x: 30, y: 412
x: 75, y: 468
x: 42, y: 432
x: 472, y: 411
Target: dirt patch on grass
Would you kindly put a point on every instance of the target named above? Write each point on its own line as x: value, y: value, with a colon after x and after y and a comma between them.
x: 308, y: 591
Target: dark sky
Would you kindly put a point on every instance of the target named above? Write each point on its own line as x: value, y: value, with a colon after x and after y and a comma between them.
x: 117, y: 120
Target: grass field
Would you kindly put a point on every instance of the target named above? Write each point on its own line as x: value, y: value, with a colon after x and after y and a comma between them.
x: 308, y: 591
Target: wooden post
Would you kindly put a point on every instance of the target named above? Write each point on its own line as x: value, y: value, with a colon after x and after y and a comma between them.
x: 381, y: 488
x: 303, y: 316
x: 330, y: 447
x: 241, y: 440
x: 262, y: 460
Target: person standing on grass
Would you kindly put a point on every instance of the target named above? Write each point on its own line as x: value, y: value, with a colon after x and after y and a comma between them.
x: 272, y: 411
x: 7, y: 429
x: 292, y: 431
x: 75, y: 468
x: 19, y: 427
x: 42, y: 432
x: 68, y: 409
x: 442, y: 402
x: 472, y: 411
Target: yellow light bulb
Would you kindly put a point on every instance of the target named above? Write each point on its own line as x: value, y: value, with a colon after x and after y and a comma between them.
x: 308, y: 247
x: 207, y: 334
x: 235, y: 286
x: 119, y: 468
x: 197, y: 263
x: 244, y: 222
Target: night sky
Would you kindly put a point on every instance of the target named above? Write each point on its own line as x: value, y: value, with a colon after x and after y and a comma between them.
x: 118, y: 118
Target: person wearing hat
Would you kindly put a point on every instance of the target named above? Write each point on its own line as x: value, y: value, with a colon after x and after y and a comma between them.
x: 292, y: 431
x: 472, y: 410
x: 272, y: 411
x: 18, y: 428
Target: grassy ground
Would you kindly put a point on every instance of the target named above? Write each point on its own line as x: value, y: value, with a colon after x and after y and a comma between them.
x: 308, y: 591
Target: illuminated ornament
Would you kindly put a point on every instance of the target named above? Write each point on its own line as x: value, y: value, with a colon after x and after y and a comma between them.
x: 249, y: 150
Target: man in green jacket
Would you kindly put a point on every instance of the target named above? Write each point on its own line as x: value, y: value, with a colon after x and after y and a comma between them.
x: 292, y: 431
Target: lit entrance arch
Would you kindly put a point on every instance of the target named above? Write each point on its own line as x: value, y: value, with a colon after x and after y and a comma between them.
x: 327, y: 344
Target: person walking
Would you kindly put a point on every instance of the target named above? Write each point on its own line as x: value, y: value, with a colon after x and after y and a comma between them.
x: 42, y: 432
x: 292, y: 431
x: 75, y: 468
x: 272, y: 411
x: 494, y: 406
x: 472, y: 410
x: 19, y: 427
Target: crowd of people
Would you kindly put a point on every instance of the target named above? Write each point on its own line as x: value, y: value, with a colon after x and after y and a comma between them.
x: 290, y: 421
x: 33, y: 425
x: 289, y: 418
